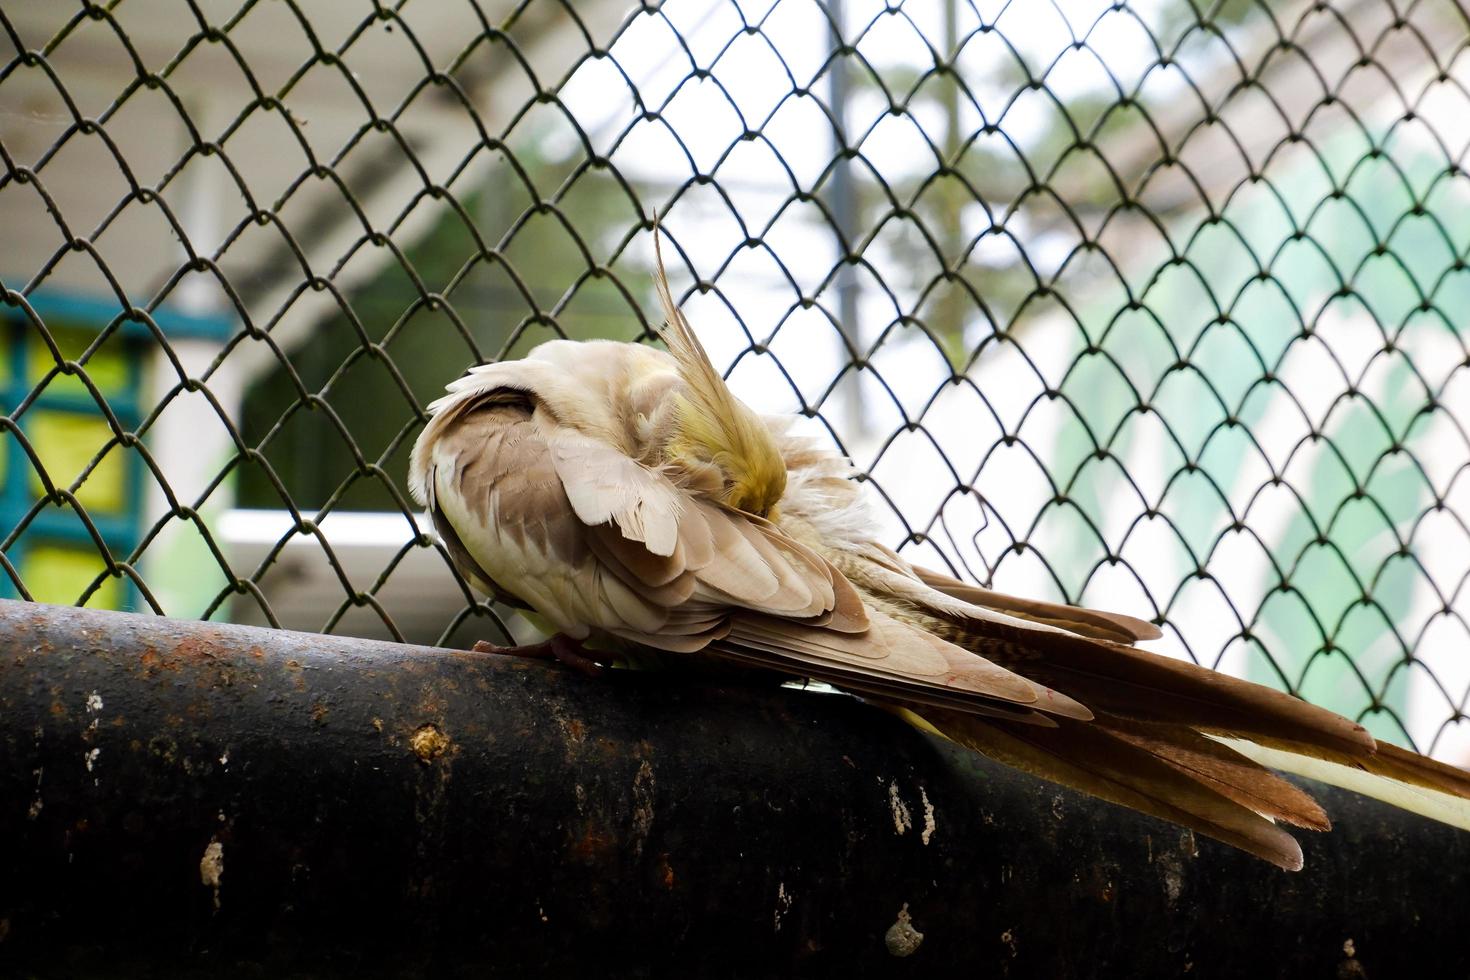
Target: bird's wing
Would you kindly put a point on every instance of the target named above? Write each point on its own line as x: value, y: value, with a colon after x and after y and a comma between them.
x: 895, y: 661
x: 1088, y: 622
x: 593, y: 539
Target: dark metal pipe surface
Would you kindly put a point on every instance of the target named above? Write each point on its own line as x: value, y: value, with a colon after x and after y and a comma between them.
x: 198, y: 800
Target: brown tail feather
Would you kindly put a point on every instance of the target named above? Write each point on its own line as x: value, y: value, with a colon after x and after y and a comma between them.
x: 1086, y: 757
x: 1224, y: 770
x: 1137, y: 685
x: 1075, y: 651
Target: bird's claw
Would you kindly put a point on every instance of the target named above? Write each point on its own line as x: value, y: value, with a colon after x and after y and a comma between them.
x: 562, y: 649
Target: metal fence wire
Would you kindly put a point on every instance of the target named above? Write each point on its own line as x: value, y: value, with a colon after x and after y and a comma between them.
x: 1158, y: 306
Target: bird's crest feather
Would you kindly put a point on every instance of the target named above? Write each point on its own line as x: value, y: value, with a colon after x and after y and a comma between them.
x: 713, y: 427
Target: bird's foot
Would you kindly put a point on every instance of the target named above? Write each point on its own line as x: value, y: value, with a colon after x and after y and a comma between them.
x: 562, y: 649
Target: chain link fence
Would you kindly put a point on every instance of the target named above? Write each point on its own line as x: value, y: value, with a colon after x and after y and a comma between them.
x: 1158, y: 306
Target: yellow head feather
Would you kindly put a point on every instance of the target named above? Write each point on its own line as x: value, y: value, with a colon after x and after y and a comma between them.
x: 713, y: 426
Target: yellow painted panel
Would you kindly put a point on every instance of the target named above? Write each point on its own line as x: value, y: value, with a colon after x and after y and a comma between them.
x: 108, y: 368
x: 61, y: 573
x: 66, y: 443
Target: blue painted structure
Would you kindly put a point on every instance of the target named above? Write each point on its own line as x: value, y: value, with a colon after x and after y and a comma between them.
x: 22, y: 318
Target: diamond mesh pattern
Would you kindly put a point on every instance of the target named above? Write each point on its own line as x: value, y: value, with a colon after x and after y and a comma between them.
x: 1146, y: 305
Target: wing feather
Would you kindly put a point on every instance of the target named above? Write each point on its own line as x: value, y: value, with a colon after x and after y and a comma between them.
x: 899, y: 653
x: 736, y: 570
x: 1088, y: 622
x: 603, y: 484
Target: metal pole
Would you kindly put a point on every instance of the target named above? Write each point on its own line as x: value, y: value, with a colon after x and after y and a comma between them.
x: 842, y: 200
x: 194, y: 799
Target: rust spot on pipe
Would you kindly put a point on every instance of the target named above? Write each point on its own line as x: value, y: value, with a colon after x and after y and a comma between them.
x: 298, y: 680
x: 594, y: 843
x: 428, y: 743
x: 198, y: 647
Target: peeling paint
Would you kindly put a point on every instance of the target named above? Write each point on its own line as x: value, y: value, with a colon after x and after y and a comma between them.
x: 90, y: 758
x: 643, y: 785
x: 1351, y: 968
x: 783, y: 903
x: 902, y: 939
x: 428, y: 742
x: 902, y: 819
x: 212, y: 868
x: 1172, y: 877
x: 94, y: 702
x: 34, y: 810
x: 929, y: 824
x: 573, y: 731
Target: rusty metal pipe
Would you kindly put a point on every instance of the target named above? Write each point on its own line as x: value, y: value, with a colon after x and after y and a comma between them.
x: 192, y: 799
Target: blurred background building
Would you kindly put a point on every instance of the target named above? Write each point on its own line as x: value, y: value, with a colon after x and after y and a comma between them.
x: 1157, y: 306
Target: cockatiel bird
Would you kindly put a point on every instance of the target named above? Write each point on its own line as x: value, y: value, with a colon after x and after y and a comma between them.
x: 628, y: 497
